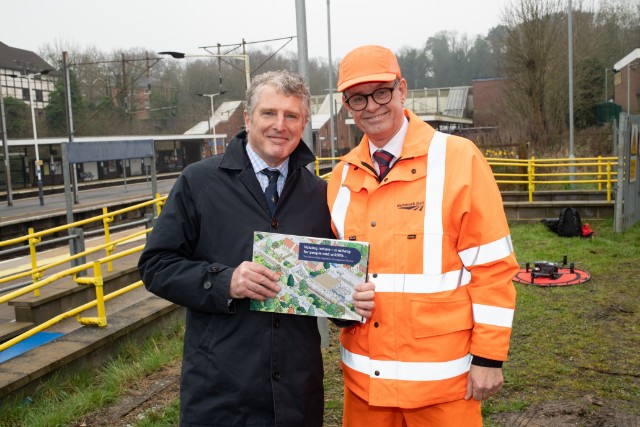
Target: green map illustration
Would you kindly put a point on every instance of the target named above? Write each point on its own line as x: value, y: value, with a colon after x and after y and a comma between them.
x: 317, y: 276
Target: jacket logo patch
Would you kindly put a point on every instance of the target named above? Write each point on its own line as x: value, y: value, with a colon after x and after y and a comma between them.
x: 413, y: 206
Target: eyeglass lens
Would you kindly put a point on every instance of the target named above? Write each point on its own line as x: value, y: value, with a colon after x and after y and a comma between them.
x: 381, y: 96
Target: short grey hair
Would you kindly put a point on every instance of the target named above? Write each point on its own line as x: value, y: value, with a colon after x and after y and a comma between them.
x: 284, y: 82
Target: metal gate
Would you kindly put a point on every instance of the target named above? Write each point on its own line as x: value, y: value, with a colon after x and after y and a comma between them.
x: 627, y: 210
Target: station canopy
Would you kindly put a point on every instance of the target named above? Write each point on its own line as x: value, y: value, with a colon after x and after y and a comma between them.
x: 82, y: 152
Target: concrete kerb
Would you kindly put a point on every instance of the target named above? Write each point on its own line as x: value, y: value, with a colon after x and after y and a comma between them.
x: 87, y: 346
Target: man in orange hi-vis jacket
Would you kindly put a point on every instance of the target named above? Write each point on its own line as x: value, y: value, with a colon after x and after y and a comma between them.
x: 441, y: 259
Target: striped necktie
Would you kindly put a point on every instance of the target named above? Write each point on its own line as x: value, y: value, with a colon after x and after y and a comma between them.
x: 384, y: 159
x: 271, y: 192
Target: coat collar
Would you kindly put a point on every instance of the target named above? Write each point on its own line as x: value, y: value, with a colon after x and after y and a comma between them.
x: 235, y: 157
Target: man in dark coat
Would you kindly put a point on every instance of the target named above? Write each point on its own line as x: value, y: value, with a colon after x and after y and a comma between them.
x: 242, y: 367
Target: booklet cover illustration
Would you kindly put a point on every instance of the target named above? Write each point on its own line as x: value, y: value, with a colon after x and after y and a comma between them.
x: 317, y: 276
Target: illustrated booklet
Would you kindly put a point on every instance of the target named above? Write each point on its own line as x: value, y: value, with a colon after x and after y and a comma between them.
x: 316, y: 276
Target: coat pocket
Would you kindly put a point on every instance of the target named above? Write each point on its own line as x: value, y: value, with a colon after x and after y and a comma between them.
x: 431, y: 318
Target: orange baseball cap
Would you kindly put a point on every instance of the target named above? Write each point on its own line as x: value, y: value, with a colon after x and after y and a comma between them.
x: 367, y: 64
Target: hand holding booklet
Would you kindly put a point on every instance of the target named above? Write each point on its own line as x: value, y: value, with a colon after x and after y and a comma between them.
x: 317, y: 276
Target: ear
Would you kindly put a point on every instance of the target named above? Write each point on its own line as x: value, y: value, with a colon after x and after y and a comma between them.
x: 402, y: 88
x: 247, y: 121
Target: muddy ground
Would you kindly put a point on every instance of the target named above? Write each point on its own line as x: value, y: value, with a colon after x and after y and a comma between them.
x: 158, y: 390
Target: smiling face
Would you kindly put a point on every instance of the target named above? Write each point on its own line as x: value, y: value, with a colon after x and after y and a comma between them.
x: 379, y: 122
x: 275, y: 125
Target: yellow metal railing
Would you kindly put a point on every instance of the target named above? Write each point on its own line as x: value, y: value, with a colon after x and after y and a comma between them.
x: 535, y: 173
x: 97, y: 280
x: 33, y: 238
x: 532, y: 173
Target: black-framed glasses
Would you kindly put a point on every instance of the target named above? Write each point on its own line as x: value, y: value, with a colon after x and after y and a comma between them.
x: 381, y: 96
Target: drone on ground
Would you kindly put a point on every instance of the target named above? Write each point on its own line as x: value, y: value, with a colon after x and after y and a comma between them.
x: 548, y: 269
x: 548, y: 273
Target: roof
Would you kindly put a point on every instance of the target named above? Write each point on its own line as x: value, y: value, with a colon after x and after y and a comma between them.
x: 325, y: 108
x: 228, y: 107
x: 199, y: 128
x: 221, y: 115
x: 17, y: 59
x: 322, y: 114
x: 318, y: 120
x: 635, y: 54
x: 457, y: 101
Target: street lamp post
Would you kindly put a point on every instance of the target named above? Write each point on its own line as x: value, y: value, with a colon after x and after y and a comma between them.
x: 211, y: 96
x: 35, y: 134
x: 331, y: 118
x: 572, y: 167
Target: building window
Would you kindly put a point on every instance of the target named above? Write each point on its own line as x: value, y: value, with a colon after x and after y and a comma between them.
x: 39, y: 96
x: 25, y: 94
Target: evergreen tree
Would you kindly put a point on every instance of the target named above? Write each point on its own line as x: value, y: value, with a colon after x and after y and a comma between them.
x: 18, y: 118
x: 56, y: 110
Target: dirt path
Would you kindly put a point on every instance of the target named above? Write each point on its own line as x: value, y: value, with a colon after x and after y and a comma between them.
x: 158, y: 390
x: 148, y: 394
x: 588, y: 411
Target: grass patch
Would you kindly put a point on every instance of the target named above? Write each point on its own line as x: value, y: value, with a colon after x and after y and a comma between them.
x: 69, y: 395
x: 567, y: 343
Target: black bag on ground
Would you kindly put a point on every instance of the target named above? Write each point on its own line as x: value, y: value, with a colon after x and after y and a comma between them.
x: 569, y: 223
x: 551, y: 224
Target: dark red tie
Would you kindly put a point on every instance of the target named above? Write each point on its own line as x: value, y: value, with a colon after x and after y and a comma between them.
x: 384, y: 159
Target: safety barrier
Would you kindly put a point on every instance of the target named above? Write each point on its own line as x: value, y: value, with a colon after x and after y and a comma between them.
x: 99, y: 302
x: 542, y: 174
x: 535, y: 174
x: 77, y: 235
x: 77, y: 272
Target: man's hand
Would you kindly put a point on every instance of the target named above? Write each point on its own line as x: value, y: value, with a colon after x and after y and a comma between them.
x: 363, y: 299
x: 254, y: 281
x: 483, y: 382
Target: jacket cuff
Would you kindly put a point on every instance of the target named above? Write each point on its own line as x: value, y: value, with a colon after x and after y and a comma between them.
x: 487, y: 363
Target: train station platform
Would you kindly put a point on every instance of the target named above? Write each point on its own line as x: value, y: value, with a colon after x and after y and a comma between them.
x: 132, y: 316
x: 26, y: 210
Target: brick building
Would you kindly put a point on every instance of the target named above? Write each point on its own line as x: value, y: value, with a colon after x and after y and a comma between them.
x: 627, y: 82
x: 487, y: 93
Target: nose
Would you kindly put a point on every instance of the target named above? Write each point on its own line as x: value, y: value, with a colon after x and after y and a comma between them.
x: 371, y: 104
x: 278, y: 123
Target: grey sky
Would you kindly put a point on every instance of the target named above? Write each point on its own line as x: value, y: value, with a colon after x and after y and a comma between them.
x: 189, y: 24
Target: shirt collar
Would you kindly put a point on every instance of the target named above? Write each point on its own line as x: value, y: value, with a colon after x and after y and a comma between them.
x: 394, y: 146
x: 259, y: 164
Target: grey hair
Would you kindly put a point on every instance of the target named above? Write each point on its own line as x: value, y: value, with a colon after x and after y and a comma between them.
x: 284, y: 82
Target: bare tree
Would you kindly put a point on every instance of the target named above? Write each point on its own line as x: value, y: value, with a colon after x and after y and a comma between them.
x: 534, y: 65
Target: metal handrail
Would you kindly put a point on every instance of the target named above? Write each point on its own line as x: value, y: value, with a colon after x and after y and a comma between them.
x: 97, y: 281
x: 604, y: 171
x: 604, y: 174
x: 35, y: 239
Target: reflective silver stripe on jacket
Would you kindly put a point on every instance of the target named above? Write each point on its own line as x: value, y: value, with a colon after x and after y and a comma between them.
x: 488, y: 252
x: 433, y: 228
x: 492, y: 315
x: 405, y: 371
x: 339, y: 211
x: 421, y: 283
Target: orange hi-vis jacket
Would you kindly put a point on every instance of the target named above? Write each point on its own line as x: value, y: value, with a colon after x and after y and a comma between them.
x: 442, y: 262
